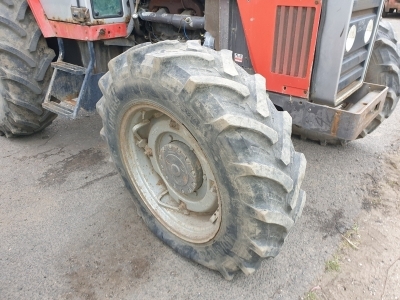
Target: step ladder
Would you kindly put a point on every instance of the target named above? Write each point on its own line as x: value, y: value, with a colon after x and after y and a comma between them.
x: 69, y: 84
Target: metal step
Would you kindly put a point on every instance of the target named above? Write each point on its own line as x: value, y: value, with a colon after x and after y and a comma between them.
x: 69, y: 68
x: 63, y: 108
x: 69, y: 84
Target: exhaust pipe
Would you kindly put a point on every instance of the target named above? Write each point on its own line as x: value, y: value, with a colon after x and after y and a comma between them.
x: 180, y: 21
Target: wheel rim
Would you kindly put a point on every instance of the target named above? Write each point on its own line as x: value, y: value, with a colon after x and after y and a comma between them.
x: 170, y: 172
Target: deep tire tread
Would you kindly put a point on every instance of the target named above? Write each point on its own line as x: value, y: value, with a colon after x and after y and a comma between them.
x: 33, y: 86
x: 22, y: 11
x: 384, y: 70
x: 241, y: 120
x: 24, y: 71
x: 34, y: 40
x: 44, y: 65
x: 13, y: 26
x: 17, y: 53
x: 233, y: 121
x: 29, y: 106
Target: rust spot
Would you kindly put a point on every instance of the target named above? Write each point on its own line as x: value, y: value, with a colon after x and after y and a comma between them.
x: 68, y: 20
x: 97, y: 22
x: 148, y: 151
x: 174, y: 125
x: 71, y: 102
x: 335, y: 123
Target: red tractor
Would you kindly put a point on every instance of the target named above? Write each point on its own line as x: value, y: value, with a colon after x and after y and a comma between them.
x: 390, y: 7
x: 205, y: 151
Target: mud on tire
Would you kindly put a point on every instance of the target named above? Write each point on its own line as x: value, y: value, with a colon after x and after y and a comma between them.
x: 247, y: 141
x: 24, y: 71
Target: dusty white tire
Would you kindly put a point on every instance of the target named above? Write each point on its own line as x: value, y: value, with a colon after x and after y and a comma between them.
x: 245, y: 140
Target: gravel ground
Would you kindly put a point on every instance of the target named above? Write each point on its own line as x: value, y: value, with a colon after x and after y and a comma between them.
x: 69, y: 229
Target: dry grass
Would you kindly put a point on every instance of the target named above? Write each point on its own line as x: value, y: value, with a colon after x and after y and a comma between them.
x: 351, y: 238
x: 310, y: 296
x: 333, y: 265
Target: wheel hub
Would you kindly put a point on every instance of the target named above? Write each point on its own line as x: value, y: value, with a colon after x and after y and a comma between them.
x: 180, y: 167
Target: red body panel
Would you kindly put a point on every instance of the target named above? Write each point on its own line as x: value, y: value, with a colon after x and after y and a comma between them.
x: 391, y: 4
x: 73, y: 31
x: 281, y: 37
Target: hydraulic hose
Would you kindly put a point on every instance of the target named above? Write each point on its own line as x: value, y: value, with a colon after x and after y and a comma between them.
x: 180, y: 21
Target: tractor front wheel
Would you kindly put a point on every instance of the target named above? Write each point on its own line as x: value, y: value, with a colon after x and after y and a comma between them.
x: 207, y: 157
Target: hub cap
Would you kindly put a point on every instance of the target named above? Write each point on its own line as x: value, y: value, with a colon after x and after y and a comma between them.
x: 180, y: 167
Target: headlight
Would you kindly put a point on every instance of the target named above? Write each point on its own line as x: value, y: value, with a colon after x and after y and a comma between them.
x: 368, y: 31
x: 351, y: 38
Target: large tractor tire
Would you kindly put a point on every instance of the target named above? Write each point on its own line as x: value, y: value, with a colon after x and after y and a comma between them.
x: 208, y: 159
x: 24, y: 71
x: 384, y: 70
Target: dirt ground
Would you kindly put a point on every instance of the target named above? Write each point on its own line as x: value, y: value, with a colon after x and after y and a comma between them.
x: 367, y: 263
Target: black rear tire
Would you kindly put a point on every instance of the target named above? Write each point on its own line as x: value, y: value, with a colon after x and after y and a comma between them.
x: 247, y: 143
x: 384, y: 69
x: 25, y: 72
x: 384, y: 13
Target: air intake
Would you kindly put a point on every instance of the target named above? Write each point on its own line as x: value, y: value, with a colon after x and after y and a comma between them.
x: 292, y: 41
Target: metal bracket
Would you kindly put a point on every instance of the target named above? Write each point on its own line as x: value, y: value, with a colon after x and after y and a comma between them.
x: 80, y: 14
x: 346, y: 122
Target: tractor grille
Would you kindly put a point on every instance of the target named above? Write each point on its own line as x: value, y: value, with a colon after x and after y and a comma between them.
x: 338, y: 73
x: 293, y: 35
x: 355, y: 61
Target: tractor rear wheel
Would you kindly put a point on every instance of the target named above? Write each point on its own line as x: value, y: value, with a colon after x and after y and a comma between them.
x: 24, y: 71
x: 208, y: 159
x: 385, y: 13
x: 384, y: 70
